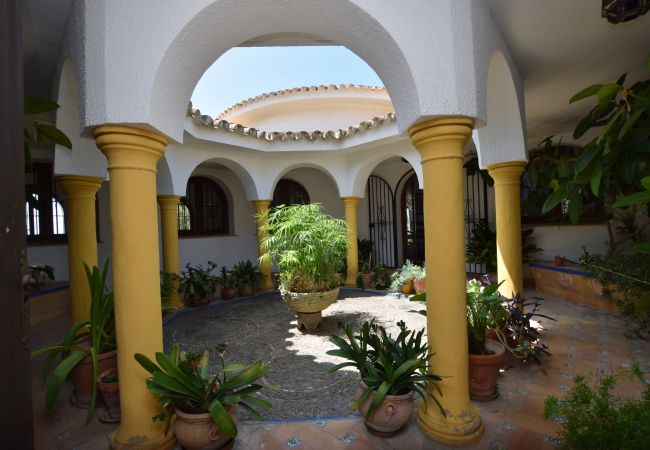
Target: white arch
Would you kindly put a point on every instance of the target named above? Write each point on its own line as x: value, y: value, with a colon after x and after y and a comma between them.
x: 164, y: 181
x: 140, y: 67
x: 84, y: 158
x: 361, y: 166
x: 303, y: 165
x: 503, y: 138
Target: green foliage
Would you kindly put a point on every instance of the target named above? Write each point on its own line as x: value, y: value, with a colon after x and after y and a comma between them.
x: 484, y: 311
x: 100, y: 330
x: 614, y: 163
x: 364, y: 247
x: 625, y: 276
x: 181, y: 380
x: 36, y: 130
x: 382, y: 277
x: 168, y: 283
x: 593, y: 418
x: 387, y: 365
x: 407, y: 273
x: 308, y: 246
x: 245, y: 273
x: 197, y: 282
x: 481, y: 248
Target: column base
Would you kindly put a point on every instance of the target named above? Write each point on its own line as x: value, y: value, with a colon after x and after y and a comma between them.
x: 166, y: 442
x: 457, y: 431
x: 350, y: 285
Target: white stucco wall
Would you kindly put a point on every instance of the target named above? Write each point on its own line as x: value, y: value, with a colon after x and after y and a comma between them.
x: 568, y: 240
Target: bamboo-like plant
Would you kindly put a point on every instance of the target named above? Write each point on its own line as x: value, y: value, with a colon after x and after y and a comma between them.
x: 181, y: 380
x: 101, y: 331
x: 308, y: 247
x: 387, y: 365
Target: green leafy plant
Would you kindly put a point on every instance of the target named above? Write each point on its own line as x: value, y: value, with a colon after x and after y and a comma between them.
x: 382, y: 277
x: 484, y: 311
x: 197, y: 282
x: 36, y: 130
x: 100, y: 330
x: 182, y: 380
x: 365, y: 255
x: 481, y: 248
x: 387, y: 365
x: 625, y: 276
x: 168, y: 283
x: 615, y: 162
x: 308, y: 247
x: 226, y: 280
x: 407, y: 273
x: 245, y: 273
x: 593, y: 418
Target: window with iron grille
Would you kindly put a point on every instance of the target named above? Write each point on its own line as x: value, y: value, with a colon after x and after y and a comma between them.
x: 44, y: 205
x: 204, y: 209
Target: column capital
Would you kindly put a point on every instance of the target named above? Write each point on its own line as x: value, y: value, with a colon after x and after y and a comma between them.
x: 434, y: 136
x: 168, y: 201
x: 350, y: 200
x: 261, y: 204
x: 80, y: 186
x: 507, y: 172
x: 129, y: 147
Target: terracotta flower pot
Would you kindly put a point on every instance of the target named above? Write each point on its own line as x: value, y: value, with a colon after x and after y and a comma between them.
x: 420, y: 285
x: 368, y: 280
x: 228, y: 293
x: 82, y: 376
x: 197, y: 300
x: 198, y: 431
x: 389, y: 418
x: 110, y: 391
x: 407, y: 287
x: 246, y: 290
x: 484, y: 372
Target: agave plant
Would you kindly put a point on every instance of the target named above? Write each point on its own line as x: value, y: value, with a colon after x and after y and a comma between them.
x: 387, y: 365
x: 181, y: 380
x: 100, y: 329
x: 308, y: 246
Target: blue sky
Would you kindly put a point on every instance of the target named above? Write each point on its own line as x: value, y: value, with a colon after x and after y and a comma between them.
x: 244, y: 72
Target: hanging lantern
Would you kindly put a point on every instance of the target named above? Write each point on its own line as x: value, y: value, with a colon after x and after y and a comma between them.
x: 617, y: 11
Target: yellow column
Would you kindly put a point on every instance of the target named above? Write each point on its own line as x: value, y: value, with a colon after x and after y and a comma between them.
x: 132, y: 154
x: 350, y: 205
x: 265, y: 267
x: 169, y: 226
x: 80, y: 194
x: 508, y: 217
x: 440, y: 143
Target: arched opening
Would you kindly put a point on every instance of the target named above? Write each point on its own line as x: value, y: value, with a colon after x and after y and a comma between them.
x: 289, y: 192
x: 207, y: 207
x: 412, y: 217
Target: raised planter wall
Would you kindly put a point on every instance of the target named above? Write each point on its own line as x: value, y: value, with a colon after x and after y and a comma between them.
x: 572, y: 284
x: 49, y: 303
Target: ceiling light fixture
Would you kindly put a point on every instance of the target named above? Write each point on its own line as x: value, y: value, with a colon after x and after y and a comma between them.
x: 617, y: 11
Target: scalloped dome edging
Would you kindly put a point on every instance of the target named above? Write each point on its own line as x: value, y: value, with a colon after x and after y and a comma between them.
x: 270, y: 136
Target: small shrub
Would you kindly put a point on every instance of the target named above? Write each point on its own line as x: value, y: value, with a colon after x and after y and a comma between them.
x: 593, y: 418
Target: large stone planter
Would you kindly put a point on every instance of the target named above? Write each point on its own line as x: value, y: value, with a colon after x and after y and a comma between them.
x: 308, y: 306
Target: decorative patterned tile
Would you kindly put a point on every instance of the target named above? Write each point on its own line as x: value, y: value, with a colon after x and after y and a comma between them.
x: 496, y: 445
x: 349, y: 439
x: 270, y: 427
x: 320, y: 423
x: 507, y: 425
x: 527, y: 379
x: 605, y: 372
x: 293, y: 442
x: 604, y: 352
x: 569, y: 364
x: 603, y: 362
x: 570, y: 355
x: 564, y: 388
x: 566, y: 376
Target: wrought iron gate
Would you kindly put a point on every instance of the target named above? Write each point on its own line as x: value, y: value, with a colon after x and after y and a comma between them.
x: 381, y: 219
x: 476, y: 206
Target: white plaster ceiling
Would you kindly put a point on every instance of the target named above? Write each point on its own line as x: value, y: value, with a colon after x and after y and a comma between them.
x: 560, y: 47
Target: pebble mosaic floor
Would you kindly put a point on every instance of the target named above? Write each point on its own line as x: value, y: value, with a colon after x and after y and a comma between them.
x: 311, y: 406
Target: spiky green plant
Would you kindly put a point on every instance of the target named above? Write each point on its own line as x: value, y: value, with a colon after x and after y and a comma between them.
x: 307, y: 246
x: 387, y: 365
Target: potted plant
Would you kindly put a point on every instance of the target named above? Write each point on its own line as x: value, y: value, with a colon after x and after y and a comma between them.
x: 38, y: 275
x: 228, y: 285
x: 197, y: 284
x: 246, y: 276
x: 309, y: 249
x: 420, y: 280
x: 402, y: 280
x: 391, y: 371
x: 107, y: 384
x: 205, y: 405
x: 88, y: 349
x: 169, y: 283
x: 365, y: 263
